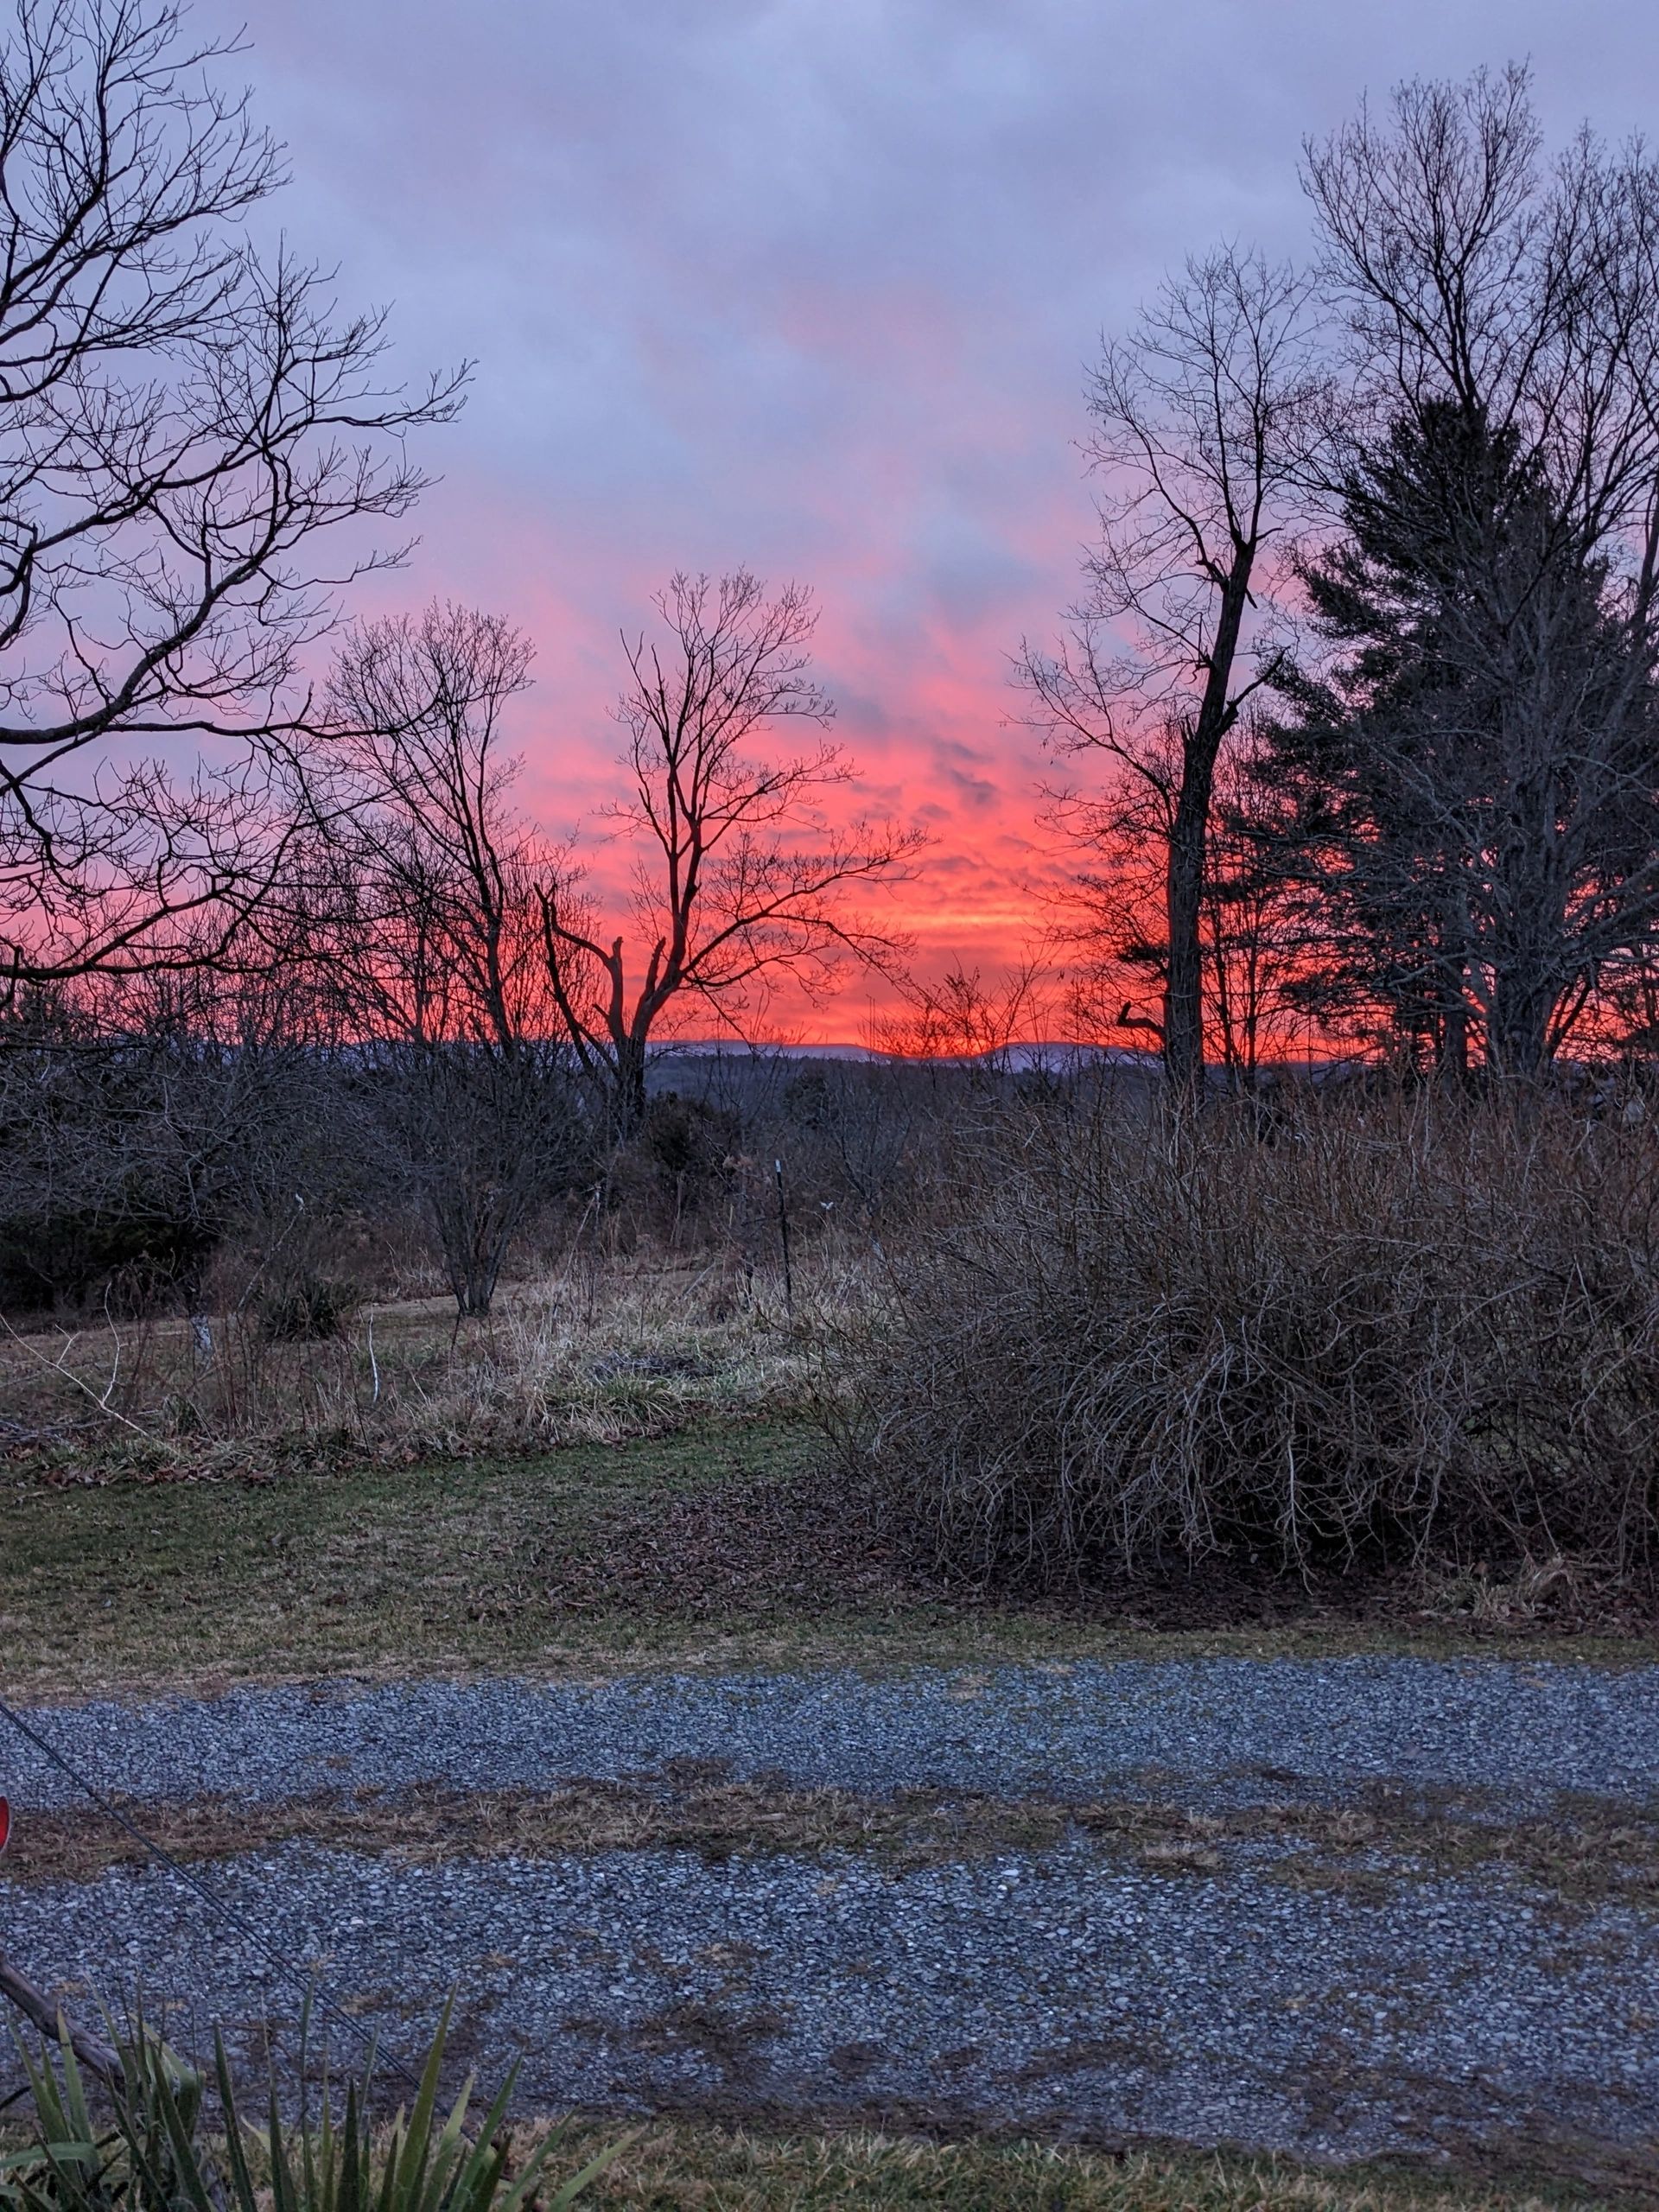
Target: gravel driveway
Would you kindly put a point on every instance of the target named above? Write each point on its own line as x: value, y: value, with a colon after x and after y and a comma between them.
x: 1241, y: 1997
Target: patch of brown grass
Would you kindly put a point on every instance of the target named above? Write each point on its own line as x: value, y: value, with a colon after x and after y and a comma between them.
x: 1590, y: 1851
x: 688, y: 1808
x: 628, y: 1349
x: 677, y: 2165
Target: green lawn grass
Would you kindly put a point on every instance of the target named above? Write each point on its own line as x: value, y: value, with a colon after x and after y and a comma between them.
x: 368, y: 1568
x: 565, y: 1561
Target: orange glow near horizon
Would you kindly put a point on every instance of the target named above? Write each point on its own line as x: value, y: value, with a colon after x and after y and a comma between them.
x: 926, y: 721
x: 817, y: 291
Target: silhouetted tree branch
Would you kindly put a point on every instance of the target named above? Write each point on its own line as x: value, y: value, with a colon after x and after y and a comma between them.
x: 1202, y: 419
x: 738, y: 877
x: 428, y: 897
x: 184, y: 426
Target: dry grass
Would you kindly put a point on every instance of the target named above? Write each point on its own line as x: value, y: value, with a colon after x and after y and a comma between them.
x: 721, y: 1547
x: 613, y: 1350
x: 677, y: 2165
x: 717, y: 1818
x: 1589, y: 1851
x: 699, y: 2165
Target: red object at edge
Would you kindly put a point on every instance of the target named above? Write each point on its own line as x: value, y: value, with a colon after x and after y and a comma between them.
x: 5, y: 1823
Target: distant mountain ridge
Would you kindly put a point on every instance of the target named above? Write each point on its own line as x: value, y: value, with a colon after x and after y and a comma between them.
x: 1057, y: 1054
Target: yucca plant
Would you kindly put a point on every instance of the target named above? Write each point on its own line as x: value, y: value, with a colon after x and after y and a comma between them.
x: 154, y: 2154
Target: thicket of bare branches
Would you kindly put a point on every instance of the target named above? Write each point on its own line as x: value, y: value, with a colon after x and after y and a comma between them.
x: 144, y: 1123
x: 193, y: 443
x: 424, y: 934
x: 1112, y: 1337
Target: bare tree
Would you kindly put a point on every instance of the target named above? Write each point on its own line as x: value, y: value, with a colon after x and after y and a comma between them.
x: 1202, y: 420
x: 960, y: 1017
x: 143, y: 1119
x: 739, y: 877
x: 428, y: 895
x: 1252, y: 947
x: 1489, y: 708
x: 415, y: 793
x: 181, y: 422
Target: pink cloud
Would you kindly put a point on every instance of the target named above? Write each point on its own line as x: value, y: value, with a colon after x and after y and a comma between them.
x: 811, y: 285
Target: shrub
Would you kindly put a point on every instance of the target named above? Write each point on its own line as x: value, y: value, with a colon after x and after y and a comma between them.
x: 309, y: 1311
x: 155, y: 2155
x: 1355, y: 1328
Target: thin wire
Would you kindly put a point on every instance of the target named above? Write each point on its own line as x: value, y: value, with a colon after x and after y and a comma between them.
x: 159, y: 1852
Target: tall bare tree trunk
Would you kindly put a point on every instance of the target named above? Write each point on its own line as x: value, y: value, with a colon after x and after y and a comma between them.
x: 1184, y: 901
x: 1206, y: 415
x: 1189, y: 837
x: 629, y: 1099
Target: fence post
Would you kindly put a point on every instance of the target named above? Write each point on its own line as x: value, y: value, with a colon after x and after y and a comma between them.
x: 783, y: 1232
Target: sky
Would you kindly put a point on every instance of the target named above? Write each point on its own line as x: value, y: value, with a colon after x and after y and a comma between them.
x: 813, y: 287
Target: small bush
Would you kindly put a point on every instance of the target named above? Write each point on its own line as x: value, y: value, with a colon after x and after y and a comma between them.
x: 154, y: 2154
x: 309, y: 1311
x: 1358, y: 1329
x: 56, y: 1257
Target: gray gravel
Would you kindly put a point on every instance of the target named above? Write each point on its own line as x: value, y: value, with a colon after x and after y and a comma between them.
x: 1065, y: 1988
x: 1044, y: 1990
x: 1212, y: 1730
